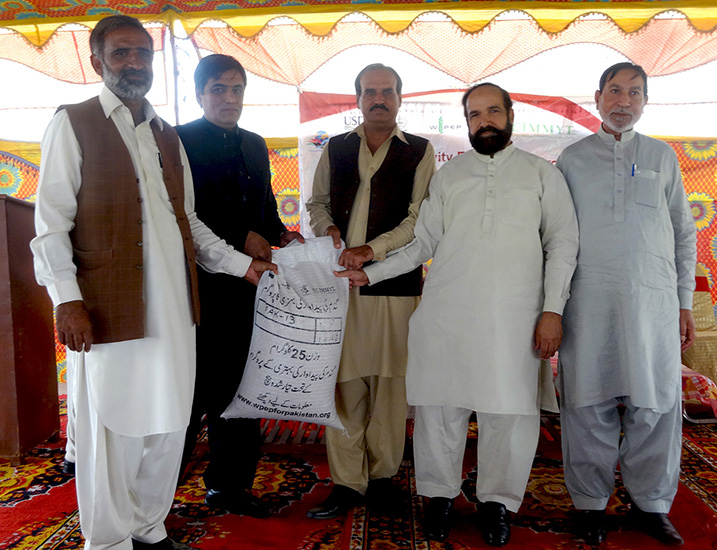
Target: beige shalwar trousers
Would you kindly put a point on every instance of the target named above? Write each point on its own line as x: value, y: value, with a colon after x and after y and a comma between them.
x: 373, y: 411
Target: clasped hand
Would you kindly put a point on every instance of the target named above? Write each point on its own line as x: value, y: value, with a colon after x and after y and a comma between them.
x: 351, y: 258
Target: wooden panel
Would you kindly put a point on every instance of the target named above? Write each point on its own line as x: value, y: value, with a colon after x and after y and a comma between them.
x: 29, y: 409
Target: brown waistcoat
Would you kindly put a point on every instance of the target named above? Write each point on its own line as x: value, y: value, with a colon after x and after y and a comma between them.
x: 107, y: 237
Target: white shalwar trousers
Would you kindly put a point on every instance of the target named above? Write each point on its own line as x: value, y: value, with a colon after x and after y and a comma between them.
x: 71, y: 366
x: 506, y: 448
x: 125, y: 485
x: 649, y: 453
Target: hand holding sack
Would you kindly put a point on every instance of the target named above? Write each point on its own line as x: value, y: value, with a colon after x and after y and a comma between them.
x: 299, y: 321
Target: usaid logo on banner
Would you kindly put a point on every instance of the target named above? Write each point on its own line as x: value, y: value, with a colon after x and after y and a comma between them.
x: 354, y: 118
x: 351, y: 120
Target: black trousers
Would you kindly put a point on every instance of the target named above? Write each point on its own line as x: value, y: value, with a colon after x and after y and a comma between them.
x: 223, y: 338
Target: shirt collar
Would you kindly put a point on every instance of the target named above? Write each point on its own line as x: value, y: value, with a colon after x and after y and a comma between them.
x: 498, y: 157
x: 110, y: 102
x: 610, y: 139
x: 211, y: 127
x: 361, y: 131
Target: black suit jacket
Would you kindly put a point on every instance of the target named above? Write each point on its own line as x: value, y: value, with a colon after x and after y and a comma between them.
x: 232, y: 186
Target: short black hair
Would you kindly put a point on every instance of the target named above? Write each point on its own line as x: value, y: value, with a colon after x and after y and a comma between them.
x: 378, y: 67
x: 214, y: 66
x: 506, y: 96
x: 610, y: 72
x: 110, y: 24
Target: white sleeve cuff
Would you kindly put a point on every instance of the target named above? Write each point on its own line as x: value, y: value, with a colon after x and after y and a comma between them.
x: 685, y: 297
x: 239, y: 263
x: 554, y: 305
x: 64, y: 291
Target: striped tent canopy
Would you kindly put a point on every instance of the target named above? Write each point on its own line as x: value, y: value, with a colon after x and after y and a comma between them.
x: 286, y: 41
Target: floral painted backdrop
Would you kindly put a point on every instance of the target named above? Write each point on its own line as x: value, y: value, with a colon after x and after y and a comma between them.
x: 698, y: 162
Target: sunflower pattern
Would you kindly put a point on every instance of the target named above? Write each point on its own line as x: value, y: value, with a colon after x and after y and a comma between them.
x: 700, y: 150
x: 285, y: 185
x: 703, y: 209
x: 288, y: 153
x: 713, y: 247
x: 9, y: 179
x: 289, y: 210
x: 698, y: 163
x: 18, y: 177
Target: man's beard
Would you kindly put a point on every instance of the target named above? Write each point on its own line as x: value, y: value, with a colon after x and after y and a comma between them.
x: 488, y: 145
x: 631, y: 120
x: 124, y: 87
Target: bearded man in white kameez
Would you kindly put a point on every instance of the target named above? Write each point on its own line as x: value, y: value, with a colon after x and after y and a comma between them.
x: 501, y: 229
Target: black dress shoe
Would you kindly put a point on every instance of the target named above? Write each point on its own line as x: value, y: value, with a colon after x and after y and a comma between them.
x: 68, y: 467
x: 340, y: 500
x: 242, y: 503
x: 659, y: 526
x: 437, y: 518
x: 385, y: 498
x: 495, y: 523
x: 164, y: 544
x: 590, y: 525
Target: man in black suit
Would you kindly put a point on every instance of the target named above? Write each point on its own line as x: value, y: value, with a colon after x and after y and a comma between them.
x: 232, y: 184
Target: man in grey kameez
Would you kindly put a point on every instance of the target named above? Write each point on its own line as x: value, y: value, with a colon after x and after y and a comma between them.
x: 629, y: 314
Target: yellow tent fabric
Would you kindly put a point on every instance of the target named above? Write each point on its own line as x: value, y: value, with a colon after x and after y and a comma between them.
x: 37, y: 21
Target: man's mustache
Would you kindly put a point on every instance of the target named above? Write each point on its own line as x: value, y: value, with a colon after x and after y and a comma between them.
x: 134, y: 72
x: 486, y: 129
x: 379, y: 106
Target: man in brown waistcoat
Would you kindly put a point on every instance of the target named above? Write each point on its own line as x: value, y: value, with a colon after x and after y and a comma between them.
x: 117, y: 245
x: 368, y: 187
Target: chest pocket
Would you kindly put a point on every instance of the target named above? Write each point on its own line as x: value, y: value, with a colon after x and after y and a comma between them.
x: 647, y: 188
x: 520, y: 209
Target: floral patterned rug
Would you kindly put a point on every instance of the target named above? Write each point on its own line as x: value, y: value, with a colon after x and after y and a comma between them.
x: 38, y: 507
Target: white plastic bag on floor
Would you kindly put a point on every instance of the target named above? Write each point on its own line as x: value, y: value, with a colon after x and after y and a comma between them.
x: 299, y: 321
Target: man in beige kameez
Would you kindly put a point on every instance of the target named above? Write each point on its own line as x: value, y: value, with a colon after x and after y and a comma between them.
x: 368, y: 187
